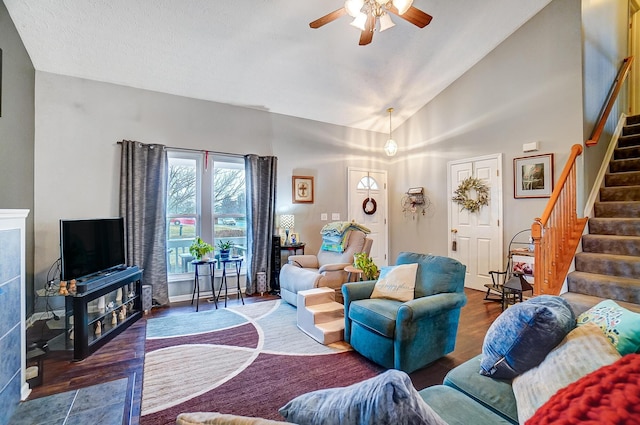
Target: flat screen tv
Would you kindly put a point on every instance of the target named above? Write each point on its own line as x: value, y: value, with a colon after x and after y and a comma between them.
x: 91, y: 246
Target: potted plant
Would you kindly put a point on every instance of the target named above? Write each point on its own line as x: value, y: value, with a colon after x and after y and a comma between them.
x: 225, y: 248
x: 199, y: 248
x: 365, y: 263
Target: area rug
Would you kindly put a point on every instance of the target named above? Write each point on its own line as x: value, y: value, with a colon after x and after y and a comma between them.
x: 247, y: 360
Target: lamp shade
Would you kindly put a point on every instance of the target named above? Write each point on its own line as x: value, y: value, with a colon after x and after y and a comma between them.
x: 353, y: 7
x: 287, y: 221
x: 360, y: 21
x: 402, y: 5
x: 385, y: 22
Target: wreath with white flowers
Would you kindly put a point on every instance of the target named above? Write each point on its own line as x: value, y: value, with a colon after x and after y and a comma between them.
x: 461, y: 194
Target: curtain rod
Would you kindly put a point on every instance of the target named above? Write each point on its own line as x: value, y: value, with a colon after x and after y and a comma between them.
x: 199, y: 150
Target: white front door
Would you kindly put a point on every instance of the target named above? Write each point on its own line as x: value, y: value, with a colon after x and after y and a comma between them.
x: 370, y: 186
x: 478, y: 235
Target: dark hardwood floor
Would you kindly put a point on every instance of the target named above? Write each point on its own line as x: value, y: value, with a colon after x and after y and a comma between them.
x: 124, y: 355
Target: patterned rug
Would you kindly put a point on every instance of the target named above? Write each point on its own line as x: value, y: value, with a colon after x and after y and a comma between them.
x: 246, y: 360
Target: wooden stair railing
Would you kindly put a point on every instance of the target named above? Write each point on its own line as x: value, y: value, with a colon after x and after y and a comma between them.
x: 613, y: 95
x: 557, y: 232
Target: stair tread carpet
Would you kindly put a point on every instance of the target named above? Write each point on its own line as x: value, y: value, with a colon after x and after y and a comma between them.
x: 605, y: 286
x: 630, y: 209
x: 620, y: 193
x: 611, y: 244
x: 623, y: 226
x: 623, y: 178
x: 613, y: 264
x: 583, y: 302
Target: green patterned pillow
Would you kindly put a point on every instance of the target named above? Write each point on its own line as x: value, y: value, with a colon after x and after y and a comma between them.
x: 620, y: 326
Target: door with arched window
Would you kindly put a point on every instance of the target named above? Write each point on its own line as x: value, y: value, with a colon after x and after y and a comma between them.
x: 368, y: 206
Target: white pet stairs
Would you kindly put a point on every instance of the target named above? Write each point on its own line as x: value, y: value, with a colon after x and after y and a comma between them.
x: 320, y: 316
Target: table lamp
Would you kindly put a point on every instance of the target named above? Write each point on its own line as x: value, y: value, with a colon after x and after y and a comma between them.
x: 286, y: 222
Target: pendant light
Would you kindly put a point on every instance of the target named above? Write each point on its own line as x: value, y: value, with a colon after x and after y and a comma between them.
x: 391, y: 147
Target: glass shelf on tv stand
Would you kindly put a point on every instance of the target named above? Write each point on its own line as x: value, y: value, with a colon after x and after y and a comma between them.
x: 97, y: 315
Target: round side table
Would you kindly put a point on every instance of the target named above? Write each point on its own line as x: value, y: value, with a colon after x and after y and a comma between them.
x: 353, y: 270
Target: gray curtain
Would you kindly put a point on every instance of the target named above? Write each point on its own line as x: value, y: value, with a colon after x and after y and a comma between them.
x: 260, y: 174
x: 143, y: 171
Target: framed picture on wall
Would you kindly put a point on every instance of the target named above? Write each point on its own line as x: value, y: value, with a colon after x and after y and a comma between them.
x: 302, y: 190
x: 533, y: 176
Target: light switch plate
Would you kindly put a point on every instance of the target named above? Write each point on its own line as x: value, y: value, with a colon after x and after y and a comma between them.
x: 335, y: 216
x: 324, y: 217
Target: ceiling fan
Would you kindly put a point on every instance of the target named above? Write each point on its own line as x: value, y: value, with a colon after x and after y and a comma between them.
x: 367, y: 13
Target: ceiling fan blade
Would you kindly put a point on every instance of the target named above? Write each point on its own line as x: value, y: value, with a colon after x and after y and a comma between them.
x: 329, y: 17
x: 414, y: 15
x: 367, y: 35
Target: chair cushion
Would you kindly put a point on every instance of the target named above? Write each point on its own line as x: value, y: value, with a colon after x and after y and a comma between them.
x: 388, y: 398
x: 435, y: 274
x: 496, y: 394
x: 523, y: 335
x: 620, y: 326
x: 396, y: 282
x: 584, y: 350
x: 455, y: 408
x: 376, y: 314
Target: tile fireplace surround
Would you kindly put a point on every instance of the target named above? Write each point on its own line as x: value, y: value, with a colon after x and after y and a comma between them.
x: 13, y: 385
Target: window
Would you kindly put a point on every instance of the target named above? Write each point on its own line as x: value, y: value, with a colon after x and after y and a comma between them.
x: 206, y: 201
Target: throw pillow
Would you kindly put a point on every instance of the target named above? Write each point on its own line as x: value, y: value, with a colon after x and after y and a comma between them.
x: 610, y: 395
x: 620, y: 325
x: 388, y: 398
x: 396, y: 283
x: 584, y: 350
x: 523, y: 335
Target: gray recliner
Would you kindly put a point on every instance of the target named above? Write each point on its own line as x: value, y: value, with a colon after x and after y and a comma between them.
x: 326, y: 269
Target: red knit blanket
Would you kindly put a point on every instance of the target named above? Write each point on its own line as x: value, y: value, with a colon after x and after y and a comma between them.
x: 607, y: 396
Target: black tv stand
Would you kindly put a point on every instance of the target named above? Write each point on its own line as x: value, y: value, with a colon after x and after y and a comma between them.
x: 110, y: 303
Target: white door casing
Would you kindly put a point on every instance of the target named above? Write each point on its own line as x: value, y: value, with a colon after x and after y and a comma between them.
x: 479, y: 235
x: 364, y: 184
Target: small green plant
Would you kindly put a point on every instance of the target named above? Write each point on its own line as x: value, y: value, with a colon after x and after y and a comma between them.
x: 365, y: 263
x: 225, y: 245
x: 200, y: 248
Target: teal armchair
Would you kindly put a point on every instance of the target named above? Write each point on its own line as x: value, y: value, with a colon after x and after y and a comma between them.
x: 407, y: 335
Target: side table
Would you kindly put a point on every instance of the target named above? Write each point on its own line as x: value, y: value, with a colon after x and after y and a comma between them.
x: 196, y: 281
x: 293, y: 247
x: 351, y: 270
x: 237, y: 263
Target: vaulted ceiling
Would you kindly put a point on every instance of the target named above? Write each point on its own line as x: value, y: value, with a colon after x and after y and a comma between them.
x: 262, y: 54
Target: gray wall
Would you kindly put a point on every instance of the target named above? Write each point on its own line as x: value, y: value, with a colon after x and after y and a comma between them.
x: 605, y: 40
x: 17, y: 133
x: 79, y: 121
x: 530, y: 88
x: 527, y: 89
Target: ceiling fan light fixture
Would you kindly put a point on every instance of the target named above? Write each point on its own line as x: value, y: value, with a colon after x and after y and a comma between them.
x: 360, y: 21
x: 386, y: 22
x: 402, y: 5
x: 353, y: 7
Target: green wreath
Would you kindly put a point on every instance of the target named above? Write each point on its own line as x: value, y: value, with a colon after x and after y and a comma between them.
x: 461, y: 195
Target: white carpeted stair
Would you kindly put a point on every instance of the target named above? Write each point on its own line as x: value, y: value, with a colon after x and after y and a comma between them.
x: 320, y: 316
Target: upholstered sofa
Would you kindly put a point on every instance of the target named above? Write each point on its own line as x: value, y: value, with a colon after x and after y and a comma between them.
x: 591, y: 376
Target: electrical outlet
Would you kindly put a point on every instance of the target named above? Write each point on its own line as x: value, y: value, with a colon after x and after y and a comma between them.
x: 335, y: 216
x: 324, y: 217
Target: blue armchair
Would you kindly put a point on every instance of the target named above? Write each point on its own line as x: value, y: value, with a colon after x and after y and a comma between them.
x: 407, y: 335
